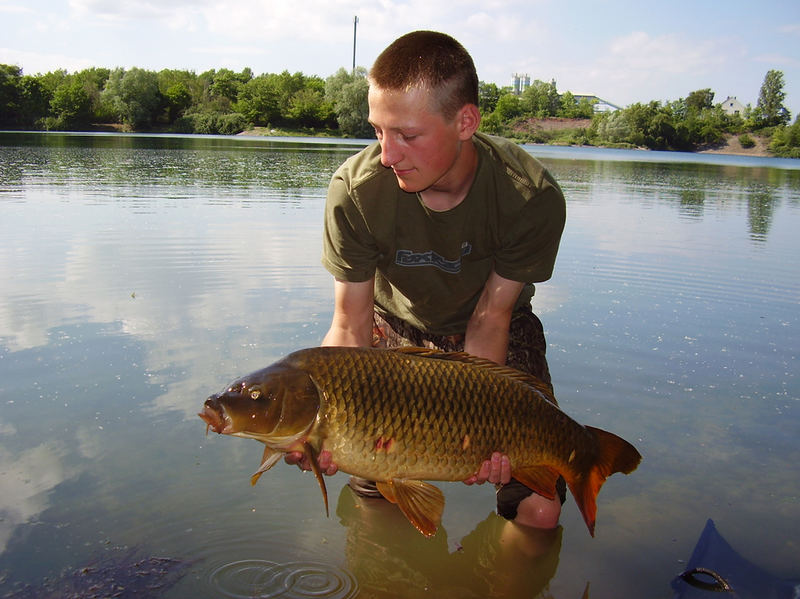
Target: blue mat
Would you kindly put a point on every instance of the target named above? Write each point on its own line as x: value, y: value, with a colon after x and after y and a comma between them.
x: 715, y: 568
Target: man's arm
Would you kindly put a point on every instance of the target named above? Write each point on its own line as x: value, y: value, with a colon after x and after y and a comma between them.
x: 487, y: 329
x: 351, y: 325
x: 487, y: 337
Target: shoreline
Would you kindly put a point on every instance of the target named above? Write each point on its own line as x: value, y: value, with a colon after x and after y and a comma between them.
x: 730, y: 146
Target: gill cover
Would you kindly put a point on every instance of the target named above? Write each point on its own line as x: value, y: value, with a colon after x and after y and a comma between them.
x: 276, y: 405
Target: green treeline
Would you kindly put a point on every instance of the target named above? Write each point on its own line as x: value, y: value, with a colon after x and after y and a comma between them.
x: 685, y: 124
x: 217, y: 101
x: 226, y: 102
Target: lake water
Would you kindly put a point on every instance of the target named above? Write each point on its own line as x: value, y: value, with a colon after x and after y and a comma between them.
x: 142, y: 273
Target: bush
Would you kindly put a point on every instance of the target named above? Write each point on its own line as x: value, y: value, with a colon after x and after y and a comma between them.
x: 746, y: 141
x: 786, y: 141
x: 209, y: 123
x: 493, y: 124
x: 231, y: 124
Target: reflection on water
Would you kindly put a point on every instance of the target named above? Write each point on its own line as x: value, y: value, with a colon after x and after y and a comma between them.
x: 142, y: 273
x: 390, y: 558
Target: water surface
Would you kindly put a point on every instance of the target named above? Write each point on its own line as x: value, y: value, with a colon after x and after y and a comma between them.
x: 142, y: 273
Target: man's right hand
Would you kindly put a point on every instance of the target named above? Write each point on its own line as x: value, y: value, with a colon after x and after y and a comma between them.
x: 326, y: 466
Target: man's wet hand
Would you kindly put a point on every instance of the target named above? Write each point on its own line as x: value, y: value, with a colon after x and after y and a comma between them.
x: 326, y: 466
x: 496, y: 470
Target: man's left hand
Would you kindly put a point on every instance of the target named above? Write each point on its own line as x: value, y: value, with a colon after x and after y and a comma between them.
x: 496, y: 470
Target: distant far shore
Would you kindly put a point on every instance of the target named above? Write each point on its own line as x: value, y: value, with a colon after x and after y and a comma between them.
x: 731, y: 144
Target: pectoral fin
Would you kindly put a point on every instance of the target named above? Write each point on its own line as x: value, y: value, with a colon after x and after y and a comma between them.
x: 312, y: 459
x: 421, y: 502
x: 541, y: 479
x: 268, y: 460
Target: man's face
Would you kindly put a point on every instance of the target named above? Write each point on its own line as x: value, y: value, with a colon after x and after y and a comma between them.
x: 417, y: 143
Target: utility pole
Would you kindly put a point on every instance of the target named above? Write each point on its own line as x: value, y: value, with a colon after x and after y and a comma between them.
x: 355, y: 27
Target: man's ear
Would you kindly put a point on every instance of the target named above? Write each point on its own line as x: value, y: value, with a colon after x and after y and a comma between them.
x: 469, y: 118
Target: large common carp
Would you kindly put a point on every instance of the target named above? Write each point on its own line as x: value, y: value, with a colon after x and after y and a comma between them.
x: 402, y: 416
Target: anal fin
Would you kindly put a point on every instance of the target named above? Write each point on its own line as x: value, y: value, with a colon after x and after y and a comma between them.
x: 542, y: 479
x: 421, y: 502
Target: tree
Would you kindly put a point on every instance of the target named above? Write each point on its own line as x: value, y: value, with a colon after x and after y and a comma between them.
x: 770, y: 111
x: 24, y: 102
x: 540, y: 99
x: 259, y: 101
x: 488, y: 95
x: 134, y: 96
x: 347, y: 92
x: 286, y: 86
x: 492, y: 124
x: 94, y: 81
x: 786, y: 141
x: 225, y: 84
x: 34, y: 102
x: 570, y: 109
x: 308, y: 108
x: 178, y: 100
x: 700, y: 100
x: 508, y: 107
x: 10, y: 76
x: 71, y: 106
x: 613, y: 127
x: 651, y: 125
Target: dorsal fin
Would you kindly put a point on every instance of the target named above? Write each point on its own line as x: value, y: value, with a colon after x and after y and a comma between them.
x: 537, y: 384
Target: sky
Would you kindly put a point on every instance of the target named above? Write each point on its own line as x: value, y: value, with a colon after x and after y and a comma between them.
x: 621, y: 51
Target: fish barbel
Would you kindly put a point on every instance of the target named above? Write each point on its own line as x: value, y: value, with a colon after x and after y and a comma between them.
x: 403, y: 416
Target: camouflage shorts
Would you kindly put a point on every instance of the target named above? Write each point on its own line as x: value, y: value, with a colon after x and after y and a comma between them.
x: 526, y: 352
x: 526, y: 343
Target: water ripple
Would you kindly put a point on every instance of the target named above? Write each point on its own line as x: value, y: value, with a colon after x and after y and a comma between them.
x: 254, y: 578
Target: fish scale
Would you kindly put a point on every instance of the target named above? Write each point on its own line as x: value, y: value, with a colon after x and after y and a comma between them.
x: 415, y: 402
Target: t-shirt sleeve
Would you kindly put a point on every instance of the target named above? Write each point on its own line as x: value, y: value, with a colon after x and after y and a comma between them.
x: 530, y: 244
x: 349, y: 252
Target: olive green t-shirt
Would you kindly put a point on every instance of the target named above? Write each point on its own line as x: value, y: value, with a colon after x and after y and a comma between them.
x: 430, y: 267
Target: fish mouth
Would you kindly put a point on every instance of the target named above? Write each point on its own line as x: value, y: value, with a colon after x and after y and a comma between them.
x: 214, y: 416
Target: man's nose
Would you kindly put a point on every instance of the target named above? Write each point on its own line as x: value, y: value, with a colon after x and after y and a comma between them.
x: 390, y: 152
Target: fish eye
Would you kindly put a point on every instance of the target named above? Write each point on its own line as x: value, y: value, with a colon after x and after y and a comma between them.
x: 254, y: 392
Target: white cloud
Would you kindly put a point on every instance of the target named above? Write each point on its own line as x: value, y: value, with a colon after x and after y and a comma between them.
x: 777, y: 60
x: 641, y: 67
x: 790, y: 28
x: 26, y: 480
x: 645, y: 54
x: 15, y: 9
x: 43, y: 62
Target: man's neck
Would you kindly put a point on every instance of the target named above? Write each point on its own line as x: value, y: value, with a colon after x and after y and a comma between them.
x: 448, y: 194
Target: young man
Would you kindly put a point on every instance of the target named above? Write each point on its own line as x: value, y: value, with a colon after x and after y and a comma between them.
x: 436, y: 233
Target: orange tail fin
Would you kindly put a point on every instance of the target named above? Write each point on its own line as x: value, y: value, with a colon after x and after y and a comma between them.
x: 614, y: 454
